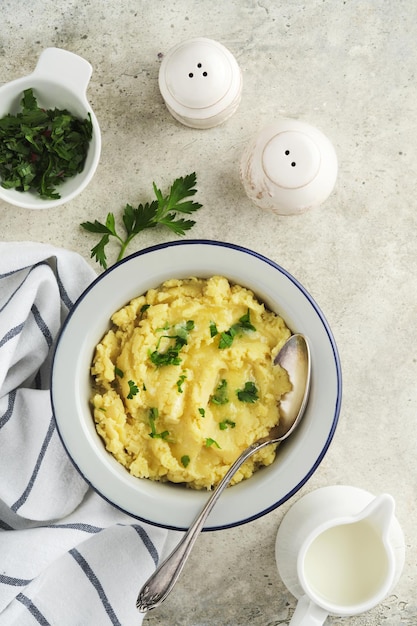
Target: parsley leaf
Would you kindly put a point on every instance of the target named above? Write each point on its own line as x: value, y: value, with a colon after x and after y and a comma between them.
x: 226, y: 423
x: 220, y: 396
x: 171, y: 355
x: 211, y: 442
x: 249, y: 393
x: 243, y: 325
x: 180, y: 383
x: 40, y: 149
x: 185, y: 460
x: 213, y: 329
x: 153, y: 415
x: 133, y: 389
x: 164, y: 210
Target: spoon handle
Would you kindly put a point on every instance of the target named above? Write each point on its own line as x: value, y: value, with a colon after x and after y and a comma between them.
x: 161, y: 582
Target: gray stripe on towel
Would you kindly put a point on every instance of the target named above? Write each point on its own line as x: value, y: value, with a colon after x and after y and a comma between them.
x: 42, y: 325
x: 14, y: 582
x: 33, y: 610
x: 96, y: 584
x: 147, y: 542
x: 9, y: 411
x: 16, y: 506
x: 11, y: 333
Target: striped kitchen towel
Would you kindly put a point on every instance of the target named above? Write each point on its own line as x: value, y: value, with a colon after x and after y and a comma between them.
x: 67, y: 557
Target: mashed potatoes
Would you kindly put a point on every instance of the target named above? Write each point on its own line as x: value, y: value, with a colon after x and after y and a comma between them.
x: 184, y: 381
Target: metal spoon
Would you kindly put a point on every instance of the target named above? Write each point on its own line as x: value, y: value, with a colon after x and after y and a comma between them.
x: 294, y: 357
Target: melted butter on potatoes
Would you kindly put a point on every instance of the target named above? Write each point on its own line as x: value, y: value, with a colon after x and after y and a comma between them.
x: 184, y: 381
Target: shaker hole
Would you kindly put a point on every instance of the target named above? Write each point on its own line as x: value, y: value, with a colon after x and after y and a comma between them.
x: 204, y: 73
x: 191, y: 75
x: 199, y: 65
x: 293, y: 164
x: 287, y: 152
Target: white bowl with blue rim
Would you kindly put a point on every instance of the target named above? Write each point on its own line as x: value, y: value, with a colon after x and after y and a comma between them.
x: 165, y: 504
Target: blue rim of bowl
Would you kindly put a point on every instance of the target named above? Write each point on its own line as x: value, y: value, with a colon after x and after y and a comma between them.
x: 332, y: 342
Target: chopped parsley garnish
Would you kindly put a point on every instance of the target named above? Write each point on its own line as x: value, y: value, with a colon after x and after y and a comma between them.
x: 220, y: 396
x: 162, y: 211
x: 202, y: 412
x: 133, y: 389
x: 249, y: 393
x: 226, y: 339
x: 40, y: 149
x: 243, y: 325
x: 182, y: 330
x: 164, y: 327
x: 226, y: 424
x: 144, y: 308
x: 118, y: 372
x: 213, y: 329
x: 211, y: 442
x: 153, y: 415
x: 180, y: 382
x: 185, y: 460
x: 170, y: 356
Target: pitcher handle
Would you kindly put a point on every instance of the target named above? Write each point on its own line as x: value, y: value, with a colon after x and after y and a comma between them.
x: 308, y: 614
x: 66, y: 68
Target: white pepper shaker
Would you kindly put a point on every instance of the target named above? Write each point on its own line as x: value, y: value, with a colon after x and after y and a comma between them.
x: 201, y: 82
x: 289, y: 167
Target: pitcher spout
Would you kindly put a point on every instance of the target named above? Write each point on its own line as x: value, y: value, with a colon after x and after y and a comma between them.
x: 380, y: 513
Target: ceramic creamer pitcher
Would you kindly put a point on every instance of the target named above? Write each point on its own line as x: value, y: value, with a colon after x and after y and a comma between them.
x: 340, y: 551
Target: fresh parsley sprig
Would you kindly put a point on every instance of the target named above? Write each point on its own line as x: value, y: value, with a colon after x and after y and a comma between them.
x: 164, y: 210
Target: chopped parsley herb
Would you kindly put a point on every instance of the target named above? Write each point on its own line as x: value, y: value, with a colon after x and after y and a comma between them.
x: 164, y: 327
x: 249, y: 393
x: 143, y: 387
x: 202, y: 412
x: 153, y: 415
x: 243, y: 325
x: 171, y: 355
x: 185, y: 460
x: 144, y: 308
x: 212, y: 442
x: 41, y: 148
x: 226, y: 339
x: 180, y: 382
x: 133, y: 389
x: 213, y: 329
x: 220, y: 396
x: 226, y: 423
x: 118, y: 372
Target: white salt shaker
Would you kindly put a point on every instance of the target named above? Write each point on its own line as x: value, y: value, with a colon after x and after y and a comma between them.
x: 289, y: 167
x: 200, y: 82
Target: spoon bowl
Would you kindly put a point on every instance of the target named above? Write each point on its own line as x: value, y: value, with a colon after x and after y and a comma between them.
x: 295, y: 358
